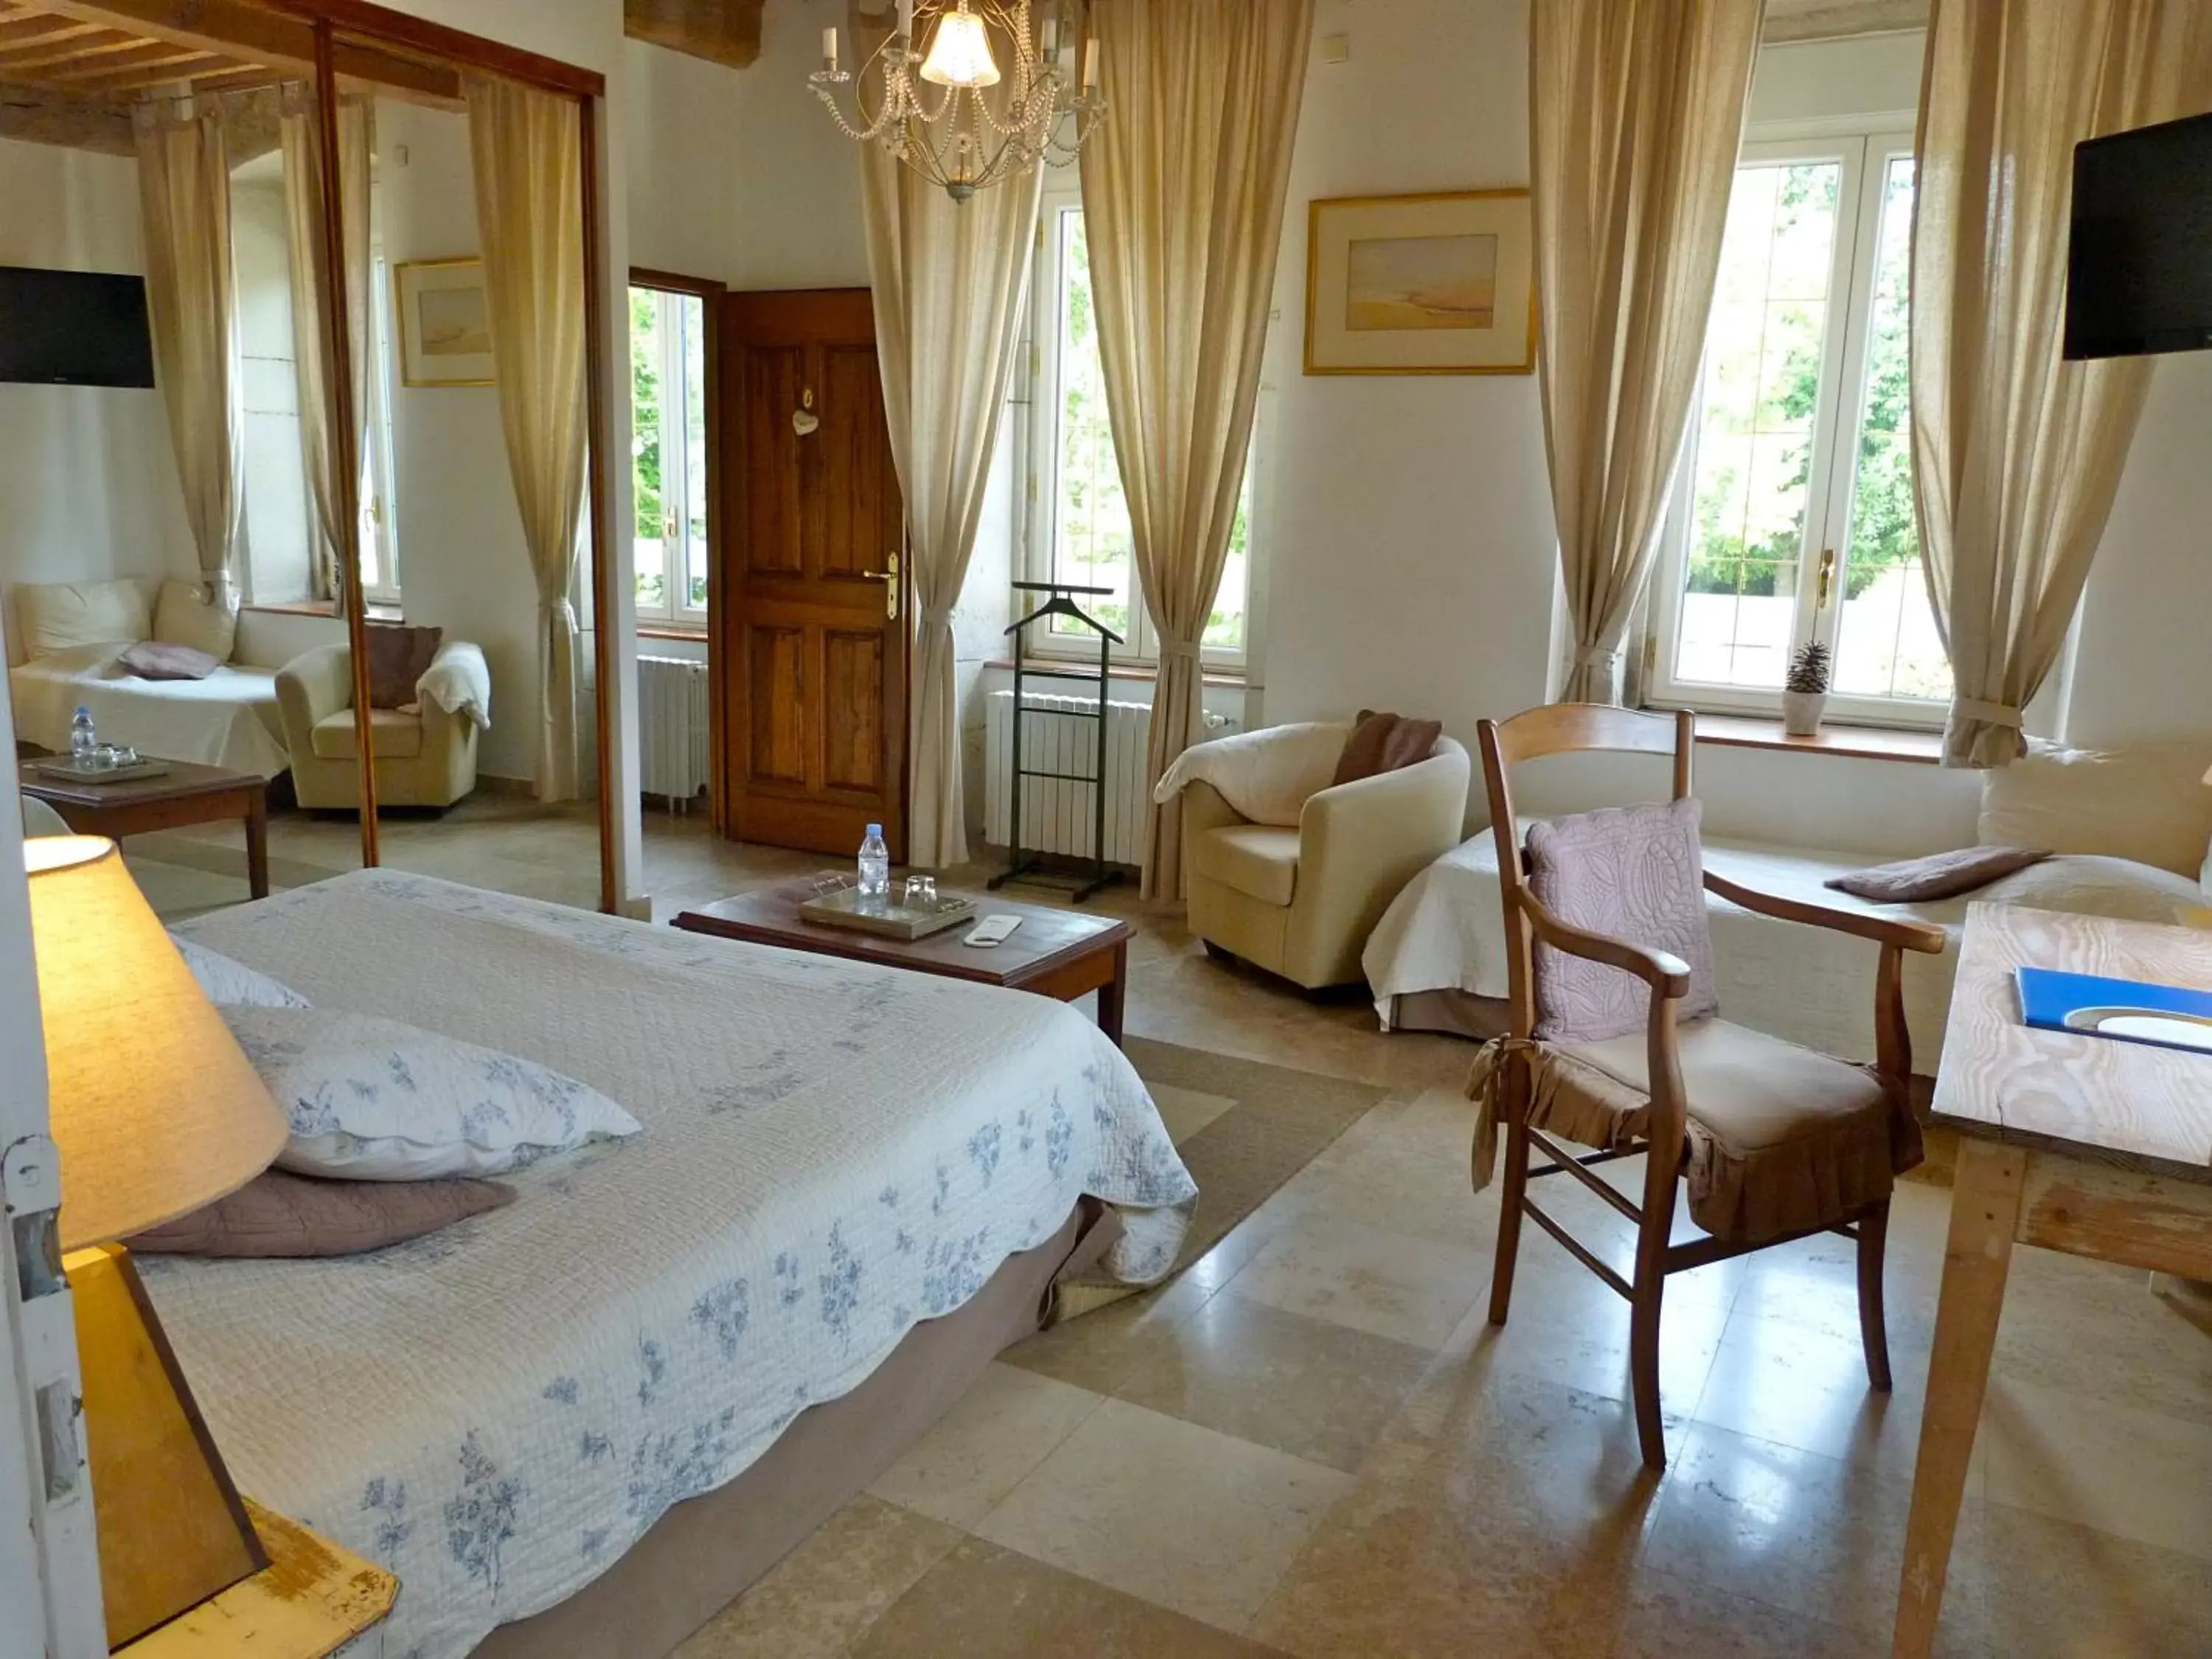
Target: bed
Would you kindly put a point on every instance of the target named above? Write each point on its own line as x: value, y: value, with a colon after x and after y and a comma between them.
x: 1437, y: 960
x: 228, y: 720
x: 840, y: 1165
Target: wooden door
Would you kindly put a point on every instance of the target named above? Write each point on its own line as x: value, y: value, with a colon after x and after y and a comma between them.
x: 811, y: 605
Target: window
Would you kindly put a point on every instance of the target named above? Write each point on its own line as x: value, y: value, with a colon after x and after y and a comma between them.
x: 1078, y: 519
x: 379, y: 520
x: 1792, y: 517
x: 668, y: 455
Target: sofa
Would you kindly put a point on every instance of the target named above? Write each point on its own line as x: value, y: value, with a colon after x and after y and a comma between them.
x: 425, y: 754
x: 67, y: 637
x: 2129, y: 827
x: 1294, y: 877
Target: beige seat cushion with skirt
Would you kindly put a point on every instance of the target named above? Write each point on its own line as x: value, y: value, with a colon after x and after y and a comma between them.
x: 1781, y: 1140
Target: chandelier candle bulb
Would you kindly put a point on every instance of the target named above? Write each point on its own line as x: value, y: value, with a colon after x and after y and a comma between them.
x: 829, y: 51
x: 906, y: 18
x: 1091, y: 65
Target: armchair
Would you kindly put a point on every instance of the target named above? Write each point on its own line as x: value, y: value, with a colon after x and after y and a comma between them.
x: 425, y: 758
x: 1778, y: 1141
x: 1301, y: 901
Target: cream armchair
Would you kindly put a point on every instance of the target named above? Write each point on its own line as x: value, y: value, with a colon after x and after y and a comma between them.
x: 427, y: 759
x: 1301, y: 902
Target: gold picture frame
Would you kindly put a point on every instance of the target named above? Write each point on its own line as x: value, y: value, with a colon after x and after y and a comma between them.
x: 441, y: 318
x: 1439, y: 283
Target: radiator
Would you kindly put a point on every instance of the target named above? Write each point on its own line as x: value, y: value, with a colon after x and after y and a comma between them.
x: 673, y: 727
x: 1061, y: 734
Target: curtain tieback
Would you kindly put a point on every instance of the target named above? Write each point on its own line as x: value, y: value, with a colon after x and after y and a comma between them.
x: 1180, y: 651
x: 1990, y: 713
x: 937, y: 615
x: 1598, y: 657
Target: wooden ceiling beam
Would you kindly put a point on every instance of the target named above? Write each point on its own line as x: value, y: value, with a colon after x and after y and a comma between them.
x: 63, y: 48
x: 253, y: 34
x: 38, y: 115
x: 726, y: 32
x: 29, y: 29
x: 87, y: 71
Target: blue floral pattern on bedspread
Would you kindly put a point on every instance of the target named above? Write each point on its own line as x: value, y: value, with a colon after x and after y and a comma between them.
x: 832, y: 1154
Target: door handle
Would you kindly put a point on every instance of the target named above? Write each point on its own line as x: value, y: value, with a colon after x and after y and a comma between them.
x: 891, y: 593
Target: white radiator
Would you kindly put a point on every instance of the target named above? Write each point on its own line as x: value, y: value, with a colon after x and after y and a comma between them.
x: 1061, y: 734
x: 673, y: 727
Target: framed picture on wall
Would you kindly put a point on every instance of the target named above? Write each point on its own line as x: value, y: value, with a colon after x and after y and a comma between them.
x: 1438, y: 284
x: 444, y: 323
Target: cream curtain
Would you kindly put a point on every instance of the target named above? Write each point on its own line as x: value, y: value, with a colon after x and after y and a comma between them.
x: 2017, y: 453
x: 300, y: 131
x: 527, y: 146
x: 1182, y: 202
x: 950, y: 278
x: 183, y: 193
x: 1636, y: 113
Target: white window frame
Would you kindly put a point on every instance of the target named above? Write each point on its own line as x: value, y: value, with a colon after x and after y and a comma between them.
x: 1864, y: 152
x: 675, y: 611
x: 379, y: 473
x: 1141, y: 648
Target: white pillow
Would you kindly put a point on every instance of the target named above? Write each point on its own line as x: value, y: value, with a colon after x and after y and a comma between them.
x: 182, y: 616
x: 2147, y: 802
x: 59, y: 616
x: 1265, y: 776
x: 372, y: 1099
x: 231, y: 984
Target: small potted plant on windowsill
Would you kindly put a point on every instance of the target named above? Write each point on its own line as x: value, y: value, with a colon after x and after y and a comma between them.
x: 1805, y: 693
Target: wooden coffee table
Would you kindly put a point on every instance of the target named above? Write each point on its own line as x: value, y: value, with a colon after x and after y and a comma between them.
x: 1061, y: 954
x: 185, y: 793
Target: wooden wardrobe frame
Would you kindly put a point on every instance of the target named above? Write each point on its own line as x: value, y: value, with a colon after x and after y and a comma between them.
x: 360, y: 20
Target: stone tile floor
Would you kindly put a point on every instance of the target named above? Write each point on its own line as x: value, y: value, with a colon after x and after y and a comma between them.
x: 1314, y: 1443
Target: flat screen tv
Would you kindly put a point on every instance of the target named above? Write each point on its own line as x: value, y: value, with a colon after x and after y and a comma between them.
x: 73, y: 328
x: 2139, y: 268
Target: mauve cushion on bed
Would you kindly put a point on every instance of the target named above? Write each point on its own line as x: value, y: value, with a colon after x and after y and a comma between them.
x: 1937, y: 876
x: 280, y: 1214
x: 398, y: 657
x: 160, y: 659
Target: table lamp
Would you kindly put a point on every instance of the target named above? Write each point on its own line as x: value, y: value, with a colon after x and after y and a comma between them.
x: 156, y: 1114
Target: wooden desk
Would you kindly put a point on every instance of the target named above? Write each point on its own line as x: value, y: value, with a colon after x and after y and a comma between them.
x: 1055, y: 953
x: 185, y: 793
x: 2076, y: 1143
x: 312, y: 1600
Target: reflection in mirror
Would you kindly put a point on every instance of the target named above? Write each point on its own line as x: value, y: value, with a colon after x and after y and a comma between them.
x: 483, y: 703
x: 158, y: 469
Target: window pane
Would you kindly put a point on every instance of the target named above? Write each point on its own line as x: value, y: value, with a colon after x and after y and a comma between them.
x: 693, y: 311
x: 1751, y: 467
x: 645, y: 360
x: 1090, y: 537
x: 1225, y: 627
x: 1888, y: 646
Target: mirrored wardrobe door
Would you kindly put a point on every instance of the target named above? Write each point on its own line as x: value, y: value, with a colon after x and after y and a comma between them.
x: 160, y: 460
x: 482, y: 712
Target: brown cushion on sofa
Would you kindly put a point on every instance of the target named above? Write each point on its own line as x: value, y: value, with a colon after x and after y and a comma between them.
x: 398, y: 657
x: 158, y: 659
x: 280, y: 1214
x: 1383, y: 743
x: 1937, y: 876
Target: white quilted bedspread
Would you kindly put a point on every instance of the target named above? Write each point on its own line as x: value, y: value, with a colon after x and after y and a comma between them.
x: 832, y: 1154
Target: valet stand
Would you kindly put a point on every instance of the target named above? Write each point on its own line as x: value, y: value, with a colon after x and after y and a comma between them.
x: 1029, y: 864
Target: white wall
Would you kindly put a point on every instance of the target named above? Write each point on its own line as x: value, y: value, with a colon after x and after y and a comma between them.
x: 87, y: 473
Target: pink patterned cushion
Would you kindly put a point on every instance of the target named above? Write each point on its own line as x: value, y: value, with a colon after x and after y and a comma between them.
x: 158, y: 659
x: 1630, y: 872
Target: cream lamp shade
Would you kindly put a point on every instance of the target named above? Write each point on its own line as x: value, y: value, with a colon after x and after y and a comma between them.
x: 156, y: 1112
x: 960, y: 52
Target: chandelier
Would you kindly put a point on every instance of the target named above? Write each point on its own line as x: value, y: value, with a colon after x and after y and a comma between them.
x: 963, y: 136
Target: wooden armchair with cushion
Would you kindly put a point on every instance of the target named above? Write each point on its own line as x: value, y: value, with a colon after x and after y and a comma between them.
x: 424, y: 754
x: 1616, y: 1043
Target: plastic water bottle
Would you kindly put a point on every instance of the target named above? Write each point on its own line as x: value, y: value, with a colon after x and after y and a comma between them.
x: 875, y: 870
x: 83, y: 743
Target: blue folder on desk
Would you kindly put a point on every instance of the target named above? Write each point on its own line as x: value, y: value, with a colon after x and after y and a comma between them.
x: 2164, y: 1016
